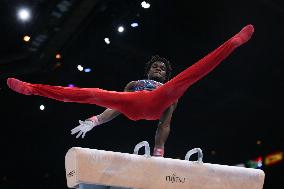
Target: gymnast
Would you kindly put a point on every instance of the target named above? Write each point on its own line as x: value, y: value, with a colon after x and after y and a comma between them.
x: 150, y: 99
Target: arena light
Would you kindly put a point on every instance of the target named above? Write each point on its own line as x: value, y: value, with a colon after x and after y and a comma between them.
x: 145, y: 5
x: 26, y: 38
x: 41, y: 107
x: 58, y: 56
x: 258, y: 142
x: 80, y: 68
x: 87, y: 70
x: 24, y: 14
x: 120, y: 29
x: 134, y: 25
x: 273, y: 158
x: 255, y: 163
x: 107, y: 41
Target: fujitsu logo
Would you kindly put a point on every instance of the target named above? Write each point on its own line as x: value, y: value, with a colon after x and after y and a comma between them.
x: 71, y: 173
x: 173, y: 178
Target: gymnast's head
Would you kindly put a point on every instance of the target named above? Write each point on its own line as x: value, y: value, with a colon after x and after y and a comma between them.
x: 158, y: 69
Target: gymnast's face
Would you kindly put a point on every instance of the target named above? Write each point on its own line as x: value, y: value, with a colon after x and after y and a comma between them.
x: 157, y: 72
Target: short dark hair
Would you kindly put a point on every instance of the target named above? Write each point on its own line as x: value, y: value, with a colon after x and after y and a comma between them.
x: 157, y: 58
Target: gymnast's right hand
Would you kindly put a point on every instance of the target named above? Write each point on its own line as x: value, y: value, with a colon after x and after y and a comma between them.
x: 84, y: 127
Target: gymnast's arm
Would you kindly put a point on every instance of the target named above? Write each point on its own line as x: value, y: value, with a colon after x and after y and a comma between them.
x: 163, y: 130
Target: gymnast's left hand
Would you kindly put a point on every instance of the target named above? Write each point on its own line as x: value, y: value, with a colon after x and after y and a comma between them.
x: 83, y: 128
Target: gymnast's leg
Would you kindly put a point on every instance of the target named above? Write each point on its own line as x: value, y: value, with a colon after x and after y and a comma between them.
x: 174, y: 89
x: 104, y: 98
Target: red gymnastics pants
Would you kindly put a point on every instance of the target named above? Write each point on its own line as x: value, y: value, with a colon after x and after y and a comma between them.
x: 148, y: 105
